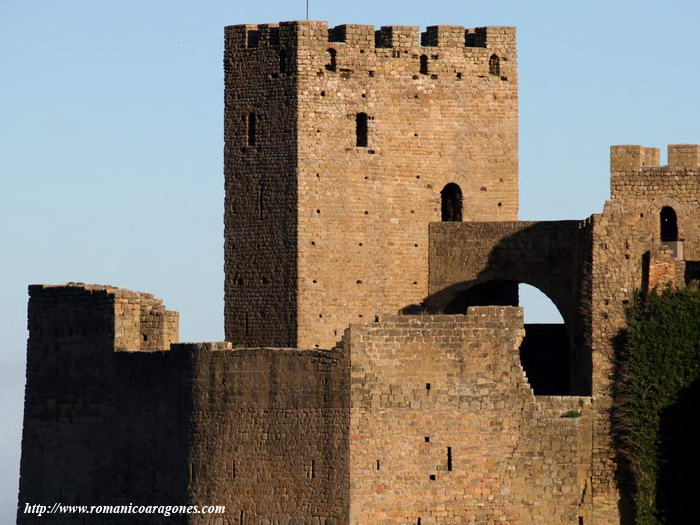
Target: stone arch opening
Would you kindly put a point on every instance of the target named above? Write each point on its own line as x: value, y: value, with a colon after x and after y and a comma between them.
x: 546, y: 349
x: 669, y: 224
x: 451, y: 203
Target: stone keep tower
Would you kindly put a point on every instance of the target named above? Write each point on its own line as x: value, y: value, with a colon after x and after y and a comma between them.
x: 338, y: 143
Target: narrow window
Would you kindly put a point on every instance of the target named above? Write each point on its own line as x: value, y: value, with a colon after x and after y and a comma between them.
x: 283, y: 60
x: 377, y: 464
x: 495, y: 65
x: 451, y: 196
x: 331, y: 66
x: 361, y: 130
x: 252, y: 125
x: 449, y: 458
x: 261, y: 202
x: 424, y: 64
x: 669, y: 224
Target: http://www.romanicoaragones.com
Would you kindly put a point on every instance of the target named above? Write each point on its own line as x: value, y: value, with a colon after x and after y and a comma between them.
x: 131, y: 509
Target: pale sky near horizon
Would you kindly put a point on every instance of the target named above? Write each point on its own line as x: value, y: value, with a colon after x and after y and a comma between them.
x: 111, y: 137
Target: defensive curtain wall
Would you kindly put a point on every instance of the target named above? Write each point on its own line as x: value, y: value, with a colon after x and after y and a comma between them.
x: 411, y: 419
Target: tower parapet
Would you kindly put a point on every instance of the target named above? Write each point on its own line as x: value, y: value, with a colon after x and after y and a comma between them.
x: 249, y: 36
x: 685, y: 156
x: 663, y: 199
x: 638, y: 158
x: 633, y: 158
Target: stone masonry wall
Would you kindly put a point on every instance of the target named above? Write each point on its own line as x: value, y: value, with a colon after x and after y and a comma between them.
x: 141, y: 322
x: 445, y: 429
x: 279, y: 435
x: 626, y: 238
x: 270, y: 434
x: 321, y: 232
x: 553, y: 256
x: 99, y: 424
x: 364, y: 210
x: 263, y: 431
x: 260, y: 171
x: 640, y: 187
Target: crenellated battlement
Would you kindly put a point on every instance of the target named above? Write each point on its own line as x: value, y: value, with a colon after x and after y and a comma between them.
x: 287, y: 34
x: 685, y: 156
x: 637, y: 176
x: 638, y: 158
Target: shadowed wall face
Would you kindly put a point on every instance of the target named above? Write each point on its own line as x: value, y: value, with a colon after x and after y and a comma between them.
x: 101, y: 427
x: 262, y: 431
x: 270, y: 433
x: 260, y: 171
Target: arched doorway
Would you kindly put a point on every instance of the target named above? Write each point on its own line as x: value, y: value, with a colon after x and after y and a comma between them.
x: 546, y: 350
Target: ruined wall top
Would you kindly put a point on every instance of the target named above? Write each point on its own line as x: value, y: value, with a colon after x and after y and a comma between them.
x: 247, y: 36
x: 132, y: 321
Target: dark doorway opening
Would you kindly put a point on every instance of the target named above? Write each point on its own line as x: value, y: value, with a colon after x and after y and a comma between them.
x: 669, y: 224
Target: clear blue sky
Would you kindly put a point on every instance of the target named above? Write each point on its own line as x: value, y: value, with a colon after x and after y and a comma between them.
x: 111, y: 136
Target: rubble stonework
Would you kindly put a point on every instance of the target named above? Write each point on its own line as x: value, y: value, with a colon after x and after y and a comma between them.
x: 377, y: 367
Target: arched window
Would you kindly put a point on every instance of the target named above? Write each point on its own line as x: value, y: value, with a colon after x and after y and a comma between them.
x: 495, y: 65
x: 669, y: 224
x: 451, y: 196
x: 361, y: 130
x: 424, y: 64
x: 331, y: 60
